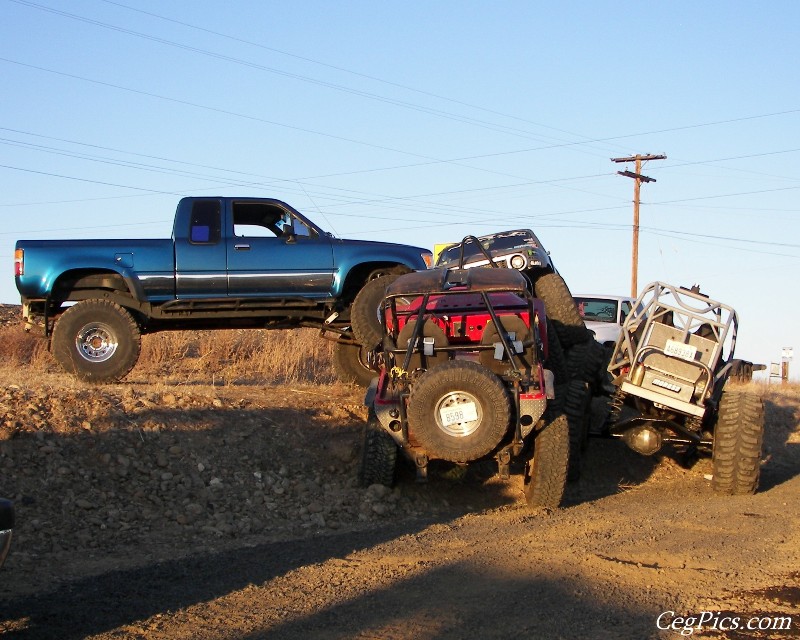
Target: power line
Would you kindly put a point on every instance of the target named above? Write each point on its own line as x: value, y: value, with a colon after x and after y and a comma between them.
x: 227, y: 58
x: 562, y: 144
x: 257, y: 119
x: 342, y: 69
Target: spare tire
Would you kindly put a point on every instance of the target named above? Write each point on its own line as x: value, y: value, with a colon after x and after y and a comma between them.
x: 458, y: 411
x: 560, y: 308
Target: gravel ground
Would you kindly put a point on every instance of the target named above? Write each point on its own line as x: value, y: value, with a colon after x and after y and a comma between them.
x: 153, y: 510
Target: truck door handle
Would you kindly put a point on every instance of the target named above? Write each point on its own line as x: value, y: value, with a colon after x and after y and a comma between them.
x: 241, y: 247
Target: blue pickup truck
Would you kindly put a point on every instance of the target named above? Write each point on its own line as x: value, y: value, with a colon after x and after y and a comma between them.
x: 231, y: 262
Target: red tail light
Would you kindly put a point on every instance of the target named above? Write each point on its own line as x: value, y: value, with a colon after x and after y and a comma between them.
x: 19, y: 262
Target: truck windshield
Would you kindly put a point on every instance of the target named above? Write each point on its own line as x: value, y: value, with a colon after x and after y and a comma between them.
x: 493, y: 243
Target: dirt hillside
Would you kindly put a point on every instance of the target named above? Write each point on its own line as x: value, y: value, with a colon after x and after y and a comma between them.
x: 173, y: 508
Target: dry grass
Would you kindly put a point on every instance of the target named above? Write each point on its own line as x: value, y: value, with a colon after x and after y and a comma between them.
x: 244, y: 356
x: 233, y: 356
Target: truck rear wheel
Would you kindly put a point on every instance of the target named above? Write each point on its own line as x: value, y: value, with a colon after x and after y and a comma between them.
x: 97, y: 340
x: 351, y: 364
x: 378, y: 456
x: 561, y: 309
x: 546, y: 471
x: 458, y: 411
x: 364, y: 312
x: 738, y: 435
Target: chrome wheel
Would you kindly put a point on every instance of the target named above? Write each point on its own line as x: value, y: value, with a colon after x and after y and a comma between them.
x: 96, y: 342
x: 458, y: 414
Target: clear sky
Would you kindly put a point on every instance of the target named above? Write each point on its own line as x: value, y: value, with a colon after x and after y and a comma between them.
x: 421, y: 122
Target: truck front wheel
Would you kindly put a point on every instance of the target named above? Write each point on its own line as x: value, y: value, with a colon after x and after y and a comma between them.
x: 96, y: 340
x: 365, y: 310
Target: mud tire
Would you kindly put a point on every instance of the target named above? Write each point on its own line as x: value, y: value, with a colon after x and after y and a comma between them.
x: 364, y: 317
x: 587, y: 362
x: 97, y: 341
x: 577, y: 403
x: 453, y: 383
x: 378, y: 455
x: 738, y: 438
x: 556, y: 360
x: 545, y: 474
x: 561, y: 309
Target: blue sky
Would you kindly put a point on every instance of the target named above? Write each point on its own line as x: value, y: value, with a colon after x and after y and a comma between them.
x: 421, y: 122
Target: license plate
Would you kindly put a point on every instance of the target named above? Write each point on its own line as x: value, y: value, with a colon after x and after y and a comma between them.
x: 680, y: 350
x: 466, y: 412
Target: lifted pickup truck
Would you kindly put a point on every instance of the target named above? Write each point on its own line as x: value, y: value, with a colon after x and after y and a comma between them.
x: 231, y: 262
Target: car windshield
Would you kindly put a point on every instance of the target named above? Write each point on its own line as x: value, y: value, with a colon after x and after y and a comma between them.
x: 597, y: 309
x: 493, y: 243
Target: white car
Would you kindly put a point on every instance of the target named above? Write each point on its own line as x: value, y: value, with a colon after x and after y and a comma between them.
x: 604, y: 315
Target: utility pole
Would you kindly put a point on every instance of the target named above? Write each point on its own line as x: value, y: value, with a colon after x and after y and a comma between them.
x: 638, y: 178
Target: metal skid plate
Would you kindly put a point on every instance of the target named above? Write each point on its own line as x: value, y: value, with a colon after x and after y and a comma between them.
x: 531, y: 405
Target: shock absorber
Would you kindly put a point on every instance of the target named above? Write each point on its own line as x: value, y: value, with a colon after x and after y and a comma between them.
x: 616, y: 403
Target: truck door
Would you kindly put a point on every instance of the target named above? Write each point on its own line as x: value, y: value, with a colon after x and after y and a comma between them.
x: 272, y: 253
x: 200, y: 252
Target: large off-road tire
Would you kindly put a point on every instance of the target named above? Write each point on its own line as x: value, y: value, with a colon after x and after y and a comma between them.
x: 352, y: 365
x: 561, y: 309
x: 97, y: 340
x: 556, y: 360
x: 577, y: 404
x: 455, y: 385
x: 587, y: 361
x: 378, y: 456
x: 738, y: 436
x: 546, y: 471
x: 364, y: 312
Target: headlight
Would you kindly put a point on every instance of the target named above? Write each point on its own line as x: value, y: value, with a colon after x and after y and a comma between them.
x: 428, y: 258
x: 518, y: 262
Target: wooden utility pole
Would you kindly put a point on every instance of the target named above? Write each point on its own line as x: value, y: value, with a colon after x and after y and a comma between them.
x: 637, y: 183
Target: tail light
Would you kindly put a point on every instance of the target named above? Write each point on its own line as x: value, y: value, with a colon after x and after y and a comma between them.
x: 19, y: 262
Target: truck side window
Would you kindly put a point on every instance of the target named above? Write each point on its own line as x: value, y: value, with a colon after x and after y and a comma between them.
x: 257, y: 220
x: 206, y: 222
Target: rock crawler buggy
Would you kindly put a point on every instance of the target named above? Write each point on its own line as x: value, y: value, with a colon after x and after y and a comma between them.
x: 672, y: 367
x: 462, y: 379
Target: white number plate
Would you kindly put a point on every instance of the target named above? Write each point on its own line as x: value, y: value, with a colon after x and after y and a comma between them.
x: 680, y: 350
x: 466, y: 412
